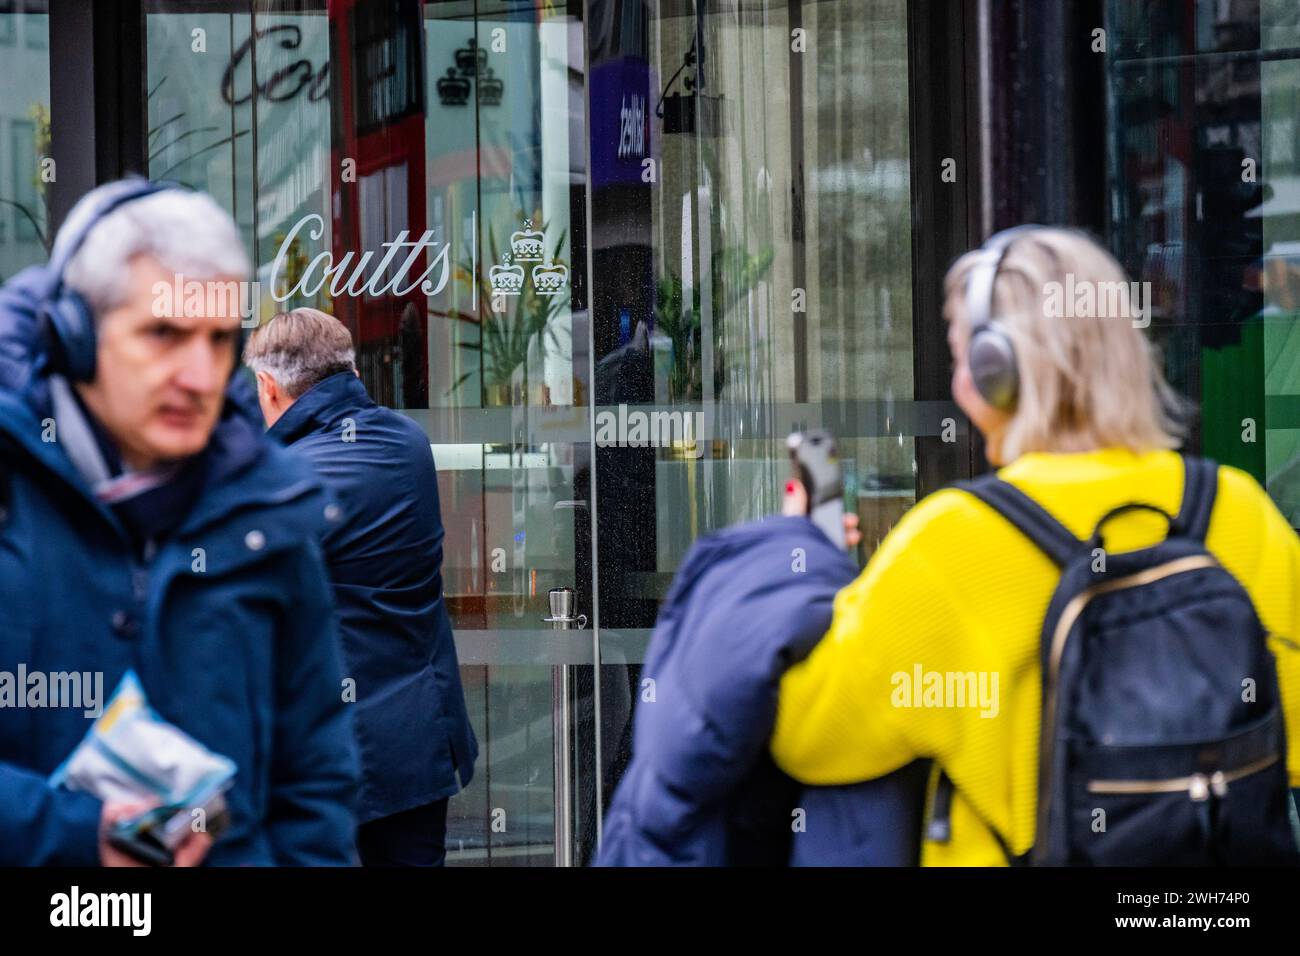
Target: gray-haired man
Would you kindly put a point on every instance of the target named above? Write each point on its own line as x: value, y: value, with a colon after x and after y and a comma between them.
x: 385, y: 561
x: 146, y: 525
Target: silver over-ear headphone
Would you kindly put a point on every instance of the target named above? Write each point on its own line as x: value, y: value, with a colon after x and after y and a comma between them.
x: 990, y: 354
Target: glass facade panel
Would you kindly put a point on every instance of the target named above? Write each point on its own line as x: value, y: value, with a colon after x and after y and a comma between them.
x: 1205, y: 208
x: 420, y: 170
x: 608, y: 254
x: 751, y: 223
x: 25, y: 173
x: 396, y: 164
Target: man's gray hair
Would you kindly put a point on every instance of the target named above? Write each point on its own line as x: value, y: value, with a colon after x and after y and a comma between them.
x: 187, y: 232
x: 300, y: 348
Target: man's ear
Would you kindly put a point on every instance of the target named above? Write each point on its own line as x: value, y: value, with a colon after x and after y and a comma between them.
x: 266, y: 384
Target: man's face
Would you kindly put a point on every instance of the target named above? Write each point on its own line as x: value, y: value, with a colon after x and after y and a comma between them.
x: 160, y: 381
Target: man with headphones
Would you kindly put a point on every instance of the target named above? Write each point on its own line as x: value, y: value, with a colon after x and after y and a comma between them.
x: 148, y: 527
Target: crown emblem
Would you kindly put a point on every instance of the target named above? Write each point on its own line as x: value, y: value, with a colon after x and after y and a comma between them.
x: 526, y: 244
x: 490, y: 88
x: 471, y: 60
x: 453, y: 90
x: 506, y: 279
x: 550, y: 278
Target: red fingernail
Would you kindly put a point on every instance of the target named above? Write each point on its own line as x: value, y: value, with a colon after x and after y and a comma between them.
x: 789, y: 487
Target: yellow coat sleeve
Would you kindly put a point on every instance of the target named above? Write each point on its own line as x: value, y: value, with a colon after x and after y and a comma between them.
x: 1263, y: 551
x: 836, y: 719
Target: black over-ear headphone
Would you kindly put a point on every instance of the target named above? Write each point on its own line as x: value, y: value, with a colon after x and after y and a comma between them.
x: 990, y: 354
x: 67, y: 317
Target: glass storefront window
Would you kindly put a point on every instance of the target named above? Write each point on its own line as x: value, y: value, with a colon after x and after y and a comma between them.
x: 751, y: 223
x: 609, y: 253
x: 1205, y: 190
x: 1280, y: 214
x: 398, y: 164
x: 420, y: 170
x: 25, y: 174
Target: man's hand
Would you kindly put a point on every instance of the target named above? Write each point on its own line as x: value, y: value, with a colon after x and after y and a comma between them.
x: 190, y: 853
x: 796, y: 503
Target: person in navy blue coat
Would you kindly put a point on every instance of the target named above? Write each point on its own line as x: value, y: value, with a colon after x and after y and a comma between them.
x: 385, y: 561
x: 147, y: 524
x: 701, y: 788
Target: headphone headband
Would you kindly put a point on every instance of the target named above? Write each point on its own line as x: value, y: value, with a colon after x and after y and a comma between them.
x: 983, y: 275
x: 67, y: 317
x: 116, y: 194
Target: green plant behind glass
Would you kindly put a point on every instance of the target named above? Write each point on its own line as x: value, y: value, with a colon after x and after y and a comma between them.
x: 735, y: 273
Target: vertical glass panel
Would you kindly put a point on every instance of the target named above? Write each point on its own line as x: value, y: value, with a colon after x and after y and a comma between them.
x: 507, y: 353
x: 200, y: 105
x: 752, y: 201
x: 417, y: 169
x: 1204, y: 208
x: 24, y: 135
x: 1280, y: 214
x: 751, y: 247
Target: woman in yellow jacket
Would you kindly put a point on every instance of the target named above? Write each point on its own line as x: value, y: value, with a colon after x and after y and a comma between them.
x: 954, y: 588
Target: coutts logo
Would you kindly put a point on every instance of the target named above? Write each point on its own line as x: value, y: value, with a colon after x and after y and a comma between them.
x: 528, y: 245
x: 392, y: 275
x: 348, y: 278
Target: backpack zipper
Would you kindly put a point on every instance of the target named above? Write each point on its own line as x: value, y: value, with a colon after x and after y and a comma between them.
x: 1047, y: 738
x: 1198, y: 786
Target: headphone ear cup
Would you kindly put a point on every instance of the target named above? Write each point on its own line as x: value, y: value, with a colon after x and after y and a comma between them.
x: 991, y: 358
x: 72, y: 324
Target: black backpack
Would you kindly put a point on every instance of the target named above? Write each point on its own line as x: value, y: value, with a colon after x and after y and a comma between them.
x: 1162, y: 736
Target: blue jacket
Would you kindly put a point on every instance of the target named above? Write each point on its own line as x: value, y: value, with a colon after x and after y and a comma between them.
x: 235, y: 643
x: 385, y: 561
x: 701, y: 789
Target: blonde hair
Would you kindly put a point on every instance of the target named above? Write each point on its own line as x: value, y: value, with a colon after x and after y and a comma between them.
x: 1089, y: 377
x: 300, y: 348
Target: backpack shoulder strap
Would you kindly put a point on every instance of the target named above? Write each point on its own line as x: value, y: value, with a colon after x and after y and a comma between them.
x: 1029, y: 517
x: 1200, y: 485
x: 938, y: 828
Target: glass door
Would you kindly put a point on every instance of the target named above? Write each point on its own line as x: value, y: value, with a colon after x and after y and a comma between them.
x: 506, y: 171
x: 751, y: 244
x: 607, y: 255
x: 417, y: 169
x: 25, y: 173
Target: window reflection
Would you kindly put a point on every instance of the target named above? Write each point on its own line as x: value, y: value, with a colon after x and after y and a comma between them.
x: 752, y: 216
x: 420, y: 169
x: 751, y: 250
x: 24, y: 136
x: 381, y: 157
x: 1206, y: 208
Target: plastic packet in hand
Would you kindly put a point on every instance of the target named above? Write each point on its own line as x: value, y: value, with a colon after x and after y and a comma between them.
x: 131, y: 754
